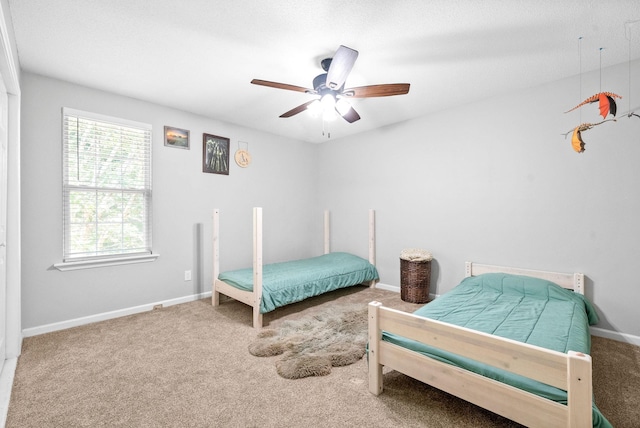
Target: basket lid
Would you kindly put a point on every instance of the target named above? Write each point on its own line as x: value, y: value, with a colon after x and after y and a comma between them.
x: 416, y: 255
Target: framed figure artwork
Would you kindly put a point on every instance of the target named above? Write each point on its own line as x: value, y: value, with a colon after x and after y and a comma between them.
x: 215, y: 154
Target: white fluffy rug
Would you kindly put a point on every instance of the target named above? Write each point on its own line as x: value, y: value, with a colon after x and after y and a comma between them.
x: 312, y: 345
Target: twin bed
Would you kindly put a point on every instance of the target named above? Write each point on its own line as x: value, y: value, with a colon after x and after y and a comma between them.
x: 513, y: 341
x: 267, y: 287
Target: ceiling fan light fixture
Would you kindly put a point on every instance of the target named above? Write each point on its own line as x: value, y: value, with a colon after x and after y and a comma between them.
x: 342, y: 106
x: 315, y: 108
x: 328, y: 102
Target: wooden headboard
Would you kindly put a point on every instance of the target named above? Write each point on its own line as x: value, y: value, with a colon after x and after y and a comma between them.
x: 571, y: 281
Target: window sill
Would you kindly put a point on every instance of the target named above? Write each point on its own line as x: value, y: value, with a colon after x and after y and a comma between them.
x: 96, y: 263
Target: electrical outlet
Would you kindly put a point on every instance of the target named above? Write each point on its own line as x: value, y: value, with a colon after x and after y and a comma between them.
x: 187, y: 275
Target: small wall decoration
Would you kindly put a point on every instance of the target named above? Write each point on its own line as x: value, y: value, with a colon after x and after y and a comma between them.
x: 215, y: 154
x: 176, y: 137
x: 242, y: 155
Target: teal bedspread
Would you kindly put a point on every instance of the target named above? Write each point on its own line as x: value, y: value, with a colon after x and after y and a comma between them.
x: 293, y: 281
x: 521, y: 308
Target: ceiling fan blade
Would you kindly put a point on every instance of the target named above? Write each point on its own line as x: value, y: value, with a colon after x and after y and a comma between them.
x: 377, y: 90
x: 281, y: 86
x: 351, y: 115
x: 341, y: 65
x: 296, y: 110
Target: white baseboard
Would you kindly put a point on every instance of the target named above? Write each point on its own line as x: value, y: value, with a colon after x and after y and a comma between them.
x: 620, y: 337
x: 48, y: 328
x: 388, y: 287
x: 396, y: 289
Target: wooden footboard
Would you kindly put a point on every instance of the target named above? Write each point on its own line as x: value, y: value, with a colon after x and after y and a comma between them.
x: 570, y: 372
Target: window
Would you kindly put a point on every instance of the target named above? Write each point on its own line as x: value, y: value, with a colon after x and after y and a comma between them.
x: 106, y: 190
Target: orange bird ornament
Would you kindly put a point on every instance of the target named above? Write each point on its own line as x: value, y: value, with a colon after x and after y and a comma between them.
x: 606, y: 102
x: 576, y: 138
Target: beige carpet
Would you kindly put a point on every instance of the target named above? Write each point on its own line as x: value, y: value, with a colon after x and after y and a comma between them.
x: 188, y: 366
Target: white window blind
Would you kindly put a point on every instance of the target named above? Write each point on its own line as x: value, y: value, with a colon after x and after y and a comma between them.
x: 106, y: 186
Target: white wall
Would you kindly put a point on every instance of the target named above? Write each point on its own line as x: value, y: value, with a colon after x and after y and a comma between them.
x: 496, y: 182
x: 493, y: 182
x: 281, y: 179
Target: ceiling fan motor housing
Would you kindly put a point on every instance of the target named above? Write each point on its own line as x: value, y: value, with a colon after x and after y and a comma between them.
x: 320, y: 86
x: 320, y: 82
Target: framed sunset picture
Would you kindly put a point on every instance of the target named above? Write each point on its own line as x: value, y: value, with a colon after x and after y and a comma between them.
x: 176, y: 137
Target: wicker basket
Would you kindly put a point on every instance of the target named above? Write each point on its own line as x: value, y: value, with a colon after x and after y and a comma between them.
x: 415, y: 279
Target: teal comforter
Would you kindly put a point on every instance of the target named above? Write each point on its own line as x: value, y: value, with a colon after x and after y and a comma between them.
x: 293, y: 281
x: 521, y: 308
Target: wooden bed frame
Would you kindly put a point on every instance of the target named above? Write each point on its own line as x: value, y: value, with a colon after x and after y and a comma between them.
x: 570, y: 372
x: 253, y: 298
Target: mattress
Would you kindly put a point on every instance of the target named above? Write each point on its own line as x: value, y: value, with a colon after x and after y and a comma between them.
x: 293, y: 281
x: 529, y: 310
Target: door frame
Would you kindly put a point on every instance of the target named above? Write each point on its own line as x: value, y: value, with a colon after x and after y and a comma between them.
x: 10, y: 70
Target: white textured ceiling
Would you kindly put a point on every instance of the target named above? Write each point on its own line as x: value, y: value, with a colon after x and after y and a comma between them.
x: 200, y: 55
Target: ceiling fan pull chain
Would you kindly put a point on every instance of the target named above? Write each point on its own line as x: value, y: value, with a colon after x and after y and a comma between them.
x: 328, y: 130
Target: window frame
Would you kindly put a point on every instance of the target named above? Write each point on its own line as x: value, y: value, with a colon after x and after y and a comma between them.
x: 71, y: 262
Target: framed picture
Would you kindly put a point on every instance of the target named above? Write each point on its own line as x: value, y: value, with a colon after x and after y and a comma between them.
x: 176, y: 137
x: 215, y: 154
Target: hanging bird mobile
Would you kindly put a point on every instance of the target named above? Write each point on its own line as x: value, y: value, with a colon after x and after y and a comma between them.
x: 607, y: 104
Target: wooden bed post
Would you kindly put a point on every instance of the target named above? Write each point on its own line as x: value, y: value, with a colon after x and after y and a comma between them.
x: 327, y: 232
x: 578, y: 283
x: 467, y: 269
x: 375, y: 368
x: 257, y: 266
x: 579, y: 389
x: 215, y: 296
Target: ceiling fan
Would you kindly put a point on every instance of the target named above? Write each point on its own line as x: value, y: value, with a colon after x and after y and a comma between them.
x: 329, y: 86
